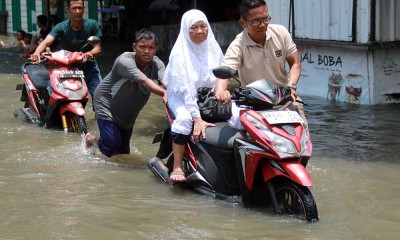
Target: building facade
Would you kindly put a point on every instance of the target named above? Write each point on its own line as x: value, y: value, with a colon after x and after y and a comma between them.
x: 349, y: 49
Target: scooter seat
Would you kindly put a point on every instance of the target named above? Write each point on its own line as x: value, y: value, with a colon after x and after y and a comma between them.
x: 222, y: 135
x: 38, y: 74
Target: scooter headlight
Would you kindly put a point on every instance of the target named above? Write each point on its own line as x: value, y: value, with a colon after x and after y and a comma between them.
x: 283, y: 146
x: 304, y: 144
x: 60, y: 88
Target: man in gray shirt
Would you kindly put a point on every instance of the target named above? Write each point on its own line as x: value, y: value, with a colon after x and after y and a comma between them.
x: 121, y: 95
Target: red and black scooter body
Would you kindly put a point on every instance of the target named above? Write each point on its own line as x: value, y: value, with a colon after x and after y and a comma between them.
x: 55, y: 95
x: 265, y: 163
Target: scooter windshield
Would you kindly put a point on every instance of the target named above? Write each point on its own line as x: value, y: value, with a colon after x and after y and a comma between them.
x: 266, y: 87
x: 60, y: 54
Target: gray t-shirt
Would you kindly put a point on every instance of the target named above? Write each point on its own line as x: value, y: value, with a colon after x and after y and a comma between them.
x: 119, y: 97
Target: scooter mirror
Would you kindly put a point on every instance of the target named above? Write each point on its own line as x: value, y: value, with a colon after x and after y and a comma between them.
x: 93, y: 40
x: 223, y: 72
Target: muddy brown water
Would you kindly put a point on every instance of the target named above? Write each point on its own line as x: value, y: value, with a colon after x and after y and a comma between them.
x: 51, y: 189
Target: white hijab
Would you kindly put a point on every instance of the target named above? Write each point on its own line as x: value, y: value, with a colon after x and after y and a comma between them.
x: 190, y: 65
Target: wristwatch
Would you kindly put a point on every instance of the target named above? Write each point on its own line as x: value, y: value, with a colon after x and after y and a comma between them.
x: 293, y: 86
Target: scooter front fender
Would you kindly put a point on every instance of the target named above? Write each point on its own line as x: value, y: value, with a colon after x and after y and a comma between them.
x: 74, y: 107
x: 294, y: 171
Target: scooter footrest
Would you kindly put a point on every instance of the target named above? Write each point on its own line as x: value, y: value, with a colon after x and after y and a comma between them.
x: 19, y: 86
x: 31, y: 115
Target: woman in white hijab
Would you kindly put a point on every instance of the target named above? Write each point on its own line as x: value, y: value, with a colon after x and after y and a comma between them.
x: 194, y: 55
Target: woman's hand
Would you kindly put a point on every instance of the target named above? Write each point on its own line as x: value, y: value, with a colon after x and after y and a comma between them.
x: 200, y: 128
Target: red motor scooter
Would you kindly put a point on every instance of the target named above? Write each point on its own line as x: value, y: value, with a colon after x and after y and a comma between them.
x: 265, y: 163
x: 57, y: 95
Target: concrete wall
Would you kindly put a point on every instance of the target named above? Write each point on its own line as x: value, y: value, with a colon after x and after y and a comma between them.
x: 348, y: 73
x: 386, y: 75
x: 24, y: 14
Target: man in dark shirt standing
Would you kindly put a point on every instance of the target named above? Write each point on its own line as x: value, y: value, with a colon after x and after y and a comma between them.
x: 72, y: 35
x: 122, y: 94
x: 45, y: 29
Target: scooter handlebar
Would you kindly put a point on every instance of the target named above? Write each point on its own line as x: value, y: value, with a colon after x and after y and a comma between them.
x: 247, y: 96
x: 67, y: 57
x: 238, y: 97
x: 42, y: 60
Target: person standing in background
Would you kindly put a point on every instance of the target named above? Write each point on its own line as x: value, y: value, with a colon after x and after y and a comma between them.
x: 45, y: 29
x: 53, y: 9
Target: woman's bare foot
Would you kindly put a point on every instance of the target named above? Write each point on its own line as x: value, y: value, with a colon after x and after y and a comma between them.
x: 177, y: 175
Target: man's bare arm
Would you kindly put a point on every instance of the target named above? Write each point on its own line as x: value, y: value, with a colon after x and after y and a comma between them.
x: 295, y: 68
x: 152, y: 86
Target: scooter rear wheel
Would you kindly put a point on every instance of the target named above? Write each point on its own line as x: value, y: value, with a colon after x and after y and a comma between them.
x: 296, y: 201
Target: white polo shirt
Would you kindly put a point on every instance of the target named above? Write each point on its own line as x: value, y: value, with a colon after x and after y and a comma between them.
x: 256, y: 62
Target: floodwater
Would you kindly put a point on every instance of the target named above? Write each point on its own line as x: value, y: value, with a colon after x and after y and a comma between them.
x: 51, y: 189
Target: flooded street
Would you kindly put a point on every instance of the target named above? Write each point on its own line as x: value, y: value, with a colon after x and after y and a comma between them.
x: 51, y: 189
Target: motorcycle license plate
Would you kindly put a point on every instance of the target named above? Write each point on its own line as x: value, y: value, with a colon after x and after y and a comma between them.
x: 71, y: 74
x: 279, y: 117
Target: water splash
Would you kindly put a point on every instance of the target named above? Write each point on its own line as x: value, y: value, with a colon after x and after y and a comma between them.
x: 87, y: 149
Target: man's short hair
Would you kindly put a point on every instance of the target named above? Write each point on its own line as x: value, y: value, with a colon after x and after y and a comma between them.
x: 42, y: 19
x: 69, y: 2
x: 247, y: 5
x: 145, y: 33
